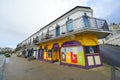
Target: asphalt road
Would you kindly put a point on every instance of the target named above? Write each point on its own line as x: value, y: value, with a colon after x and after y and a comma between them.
x: 110, y: 54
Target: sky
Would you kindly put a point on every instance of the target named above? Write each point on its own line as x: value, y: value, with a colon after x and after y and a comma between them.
x: 21, y: 18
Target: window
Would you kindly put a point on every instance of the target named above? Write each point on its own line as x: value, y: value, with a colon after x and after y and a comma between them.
x: 50, y: 53
x: 91, y: 49
x: 57, y: 30
x: 45, y: 49
x: 85, y: 20
x: 69, y: 25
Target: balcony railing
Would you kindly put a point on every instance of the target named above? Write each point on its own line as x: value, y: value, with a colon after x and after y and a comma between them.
x: 35, y: 40
x: 78, y: 24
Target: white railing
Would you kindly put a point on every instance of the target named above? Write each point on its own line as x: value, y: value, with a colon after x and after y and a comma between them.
x: 78, y: 24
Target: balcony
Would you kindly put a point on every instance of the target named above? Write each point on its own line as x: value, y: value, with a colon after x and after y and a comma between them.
x: 80, y: 25
x: 35, y: 40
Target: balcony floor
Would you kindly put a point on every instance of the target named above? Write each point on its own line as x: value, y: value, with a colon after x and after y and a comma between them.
x: 99, y: 33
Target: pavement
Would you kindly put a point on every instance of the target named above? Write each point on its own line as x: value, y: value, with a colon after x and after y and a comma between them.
x: 22, y: 69
x: 111, y: 54
x: 2, y: 61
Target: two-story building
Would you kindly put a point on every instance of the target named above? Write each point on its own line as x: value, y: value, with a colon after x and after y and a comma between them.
x: 71, y: 39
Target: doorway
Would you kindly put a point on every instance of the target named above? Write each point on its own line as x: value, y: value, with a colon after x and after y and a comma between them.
x: 56, y: 54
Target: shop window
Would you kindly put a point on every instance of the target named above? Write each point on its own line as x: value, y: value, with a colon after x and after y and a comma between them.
x: 50, y: 53
x: 41, y: 52
x: 91, y: 49
x: 45, y: 49
x: 64, y: 54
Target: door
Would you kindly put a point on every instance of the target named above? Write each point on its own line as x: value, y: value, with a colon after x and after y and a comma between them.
x: 40, y: 54
x: 85, y: 20
x: 57, y: 31
x: 56, y: 54
x: 69, y: 25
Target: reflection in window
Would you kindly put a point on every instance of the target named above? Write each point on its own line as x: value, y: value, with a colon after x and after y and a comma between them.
x: 91, y: 49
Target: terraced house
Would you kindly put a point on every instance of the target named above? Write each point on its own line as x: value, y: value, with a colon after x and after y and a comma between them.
x: 71, y: 39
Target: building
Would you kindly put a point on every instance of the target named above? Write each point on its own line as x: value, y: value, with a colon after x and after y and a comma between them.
x: 6, y: 49
x: 114, y: 38
x: 71, y: 39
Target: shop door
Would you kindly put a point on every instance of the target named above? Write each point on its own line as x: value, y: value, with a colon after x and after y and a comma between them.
x: 40, y: 54
x: 56, y: 54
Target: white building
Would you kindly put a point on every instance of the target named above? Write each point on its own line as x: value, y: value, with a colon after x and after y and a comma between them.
x: 114, y: 38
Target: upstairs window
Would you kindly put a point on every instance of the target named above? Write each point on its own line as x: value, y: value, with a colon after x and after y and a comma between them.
x: 69, y: 25
x: 42, y: 36
x: 57, y: 30
x: 85, y: 20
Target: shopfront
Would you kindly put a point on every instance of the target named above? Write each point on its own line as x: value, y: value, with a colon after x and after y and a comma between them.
x: 72, y: 53
x: 92, y: 55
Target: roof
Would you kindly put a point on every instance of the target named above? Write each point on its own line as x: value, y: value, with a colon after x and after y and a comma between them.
x: 65, y: 14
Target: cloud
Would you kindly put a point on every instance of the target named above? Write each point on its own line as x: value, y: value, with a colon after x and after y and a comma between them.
x: 105, y: 8
x: 21, y: 18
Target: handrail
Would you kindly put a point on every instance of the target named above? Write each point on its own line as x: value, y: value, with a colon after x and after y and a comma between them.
x: 78, y: 24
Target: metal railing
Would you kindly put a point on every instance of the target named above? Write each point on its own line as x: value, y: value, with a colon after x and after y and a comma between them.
x: 78, y: 24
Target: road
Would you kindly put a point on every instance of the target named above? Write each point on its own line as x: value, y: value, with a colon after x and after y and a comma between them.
x: 111, y: 54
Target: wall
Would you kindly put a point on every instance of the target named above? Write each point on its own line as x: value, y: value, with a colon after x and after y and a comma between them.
x: 85, y: 39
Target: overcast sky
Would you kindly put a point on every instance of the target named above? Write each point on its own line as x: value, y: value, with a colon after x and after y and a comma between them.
x: 21, y: 18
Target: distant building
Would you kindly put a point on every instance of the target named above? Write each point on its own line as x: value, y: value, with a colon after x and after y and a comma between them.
x: 114, y: 38
x: 6, y: 49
